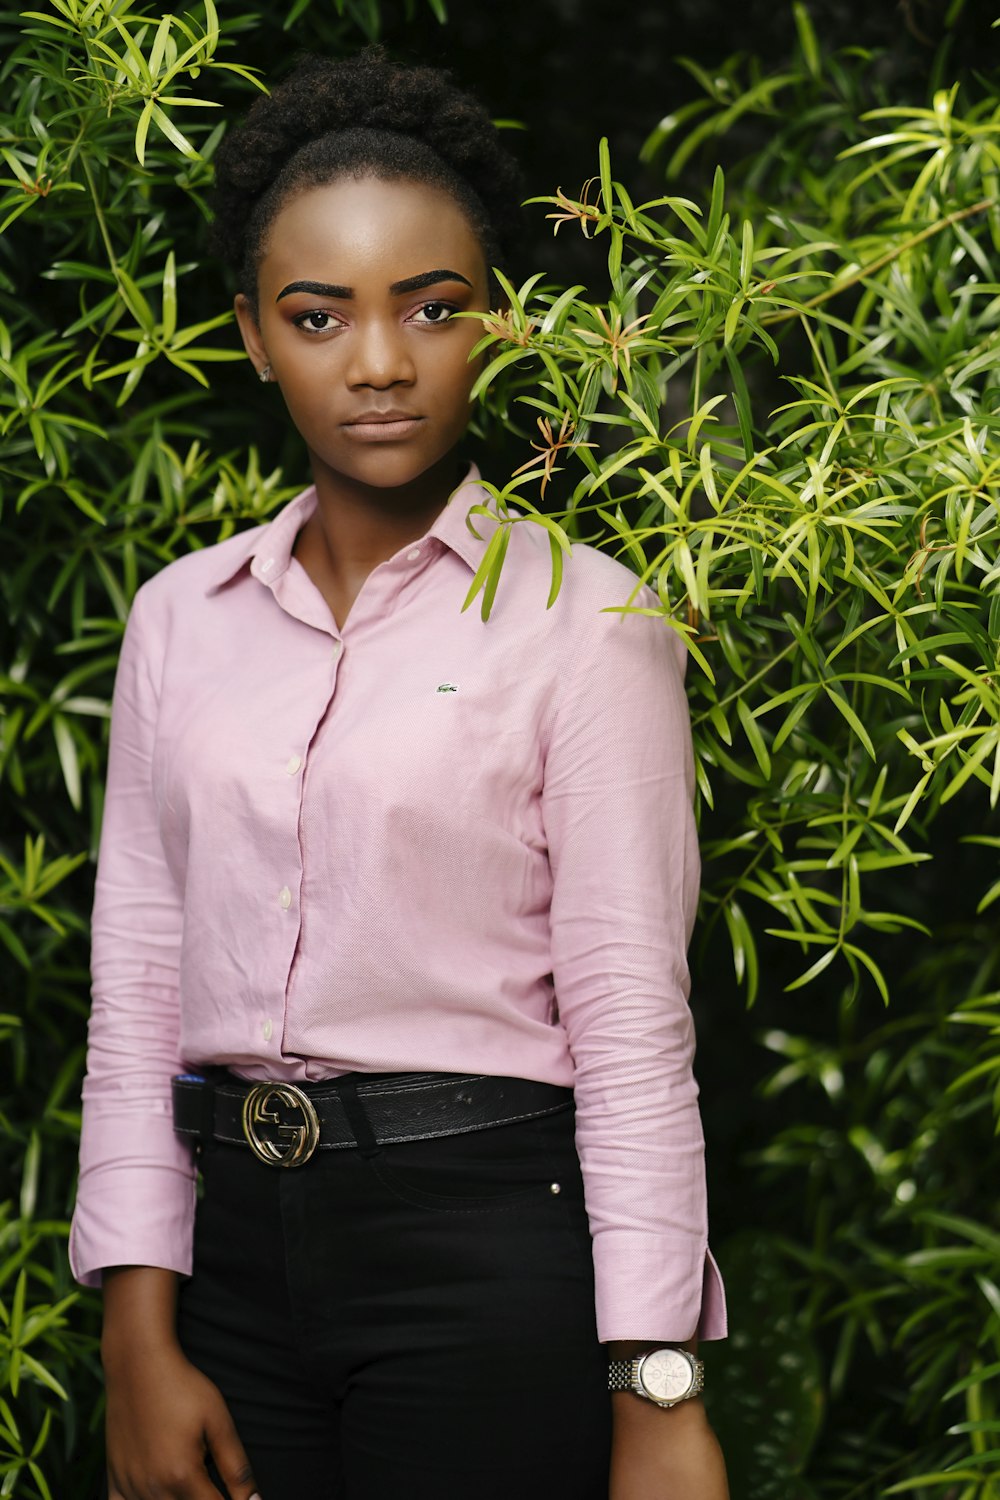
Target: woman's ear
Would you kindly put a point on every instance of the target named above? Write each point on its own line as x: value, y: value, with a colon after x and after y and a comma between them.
x: 250, y: 332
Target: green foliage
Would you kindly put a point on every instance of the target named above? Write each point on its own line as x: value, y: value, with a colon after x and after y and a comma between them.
x: 780, y: 410
x: 898, y: 1274
x: 765, y: 1397
x: 783, y: 416
x: 832, y: 561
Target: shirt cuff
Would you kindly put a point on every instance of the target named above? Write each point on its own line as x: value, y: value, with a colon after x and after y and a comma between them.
x: 134, y: 1207
x: 645, y: 1291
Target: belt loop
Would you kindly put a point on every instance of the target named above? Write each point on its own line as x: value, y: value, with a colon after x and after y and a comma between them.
x: 356, y: 1117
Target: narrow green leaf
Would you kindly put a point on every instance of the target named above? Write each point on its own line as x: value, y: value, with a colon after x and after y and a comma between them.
x: 843, y: 707
x: 29, y: 1176
x: 756, y: 739
x: 556, y: 553
x: 68, y: 759
x: 173, y: 135
x: 813, y: 972
x: 807, y: 38
x: 170, y: 297
x: 872, y: 967
x: 14, y: 945
x: 607, y: 187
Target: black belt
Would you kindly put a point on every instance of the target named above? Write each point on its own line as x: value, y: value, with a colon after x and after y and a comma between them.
x: 284, y: 1123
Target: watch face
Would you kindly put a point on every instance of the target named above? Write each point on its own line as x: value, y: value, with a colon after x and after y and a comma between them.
x: 666, y: 1375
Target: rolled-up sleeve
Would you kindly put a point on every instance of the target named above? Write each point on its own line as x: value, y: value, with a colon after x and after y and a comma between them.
x: 623, y: 849
x: 135, y: 1204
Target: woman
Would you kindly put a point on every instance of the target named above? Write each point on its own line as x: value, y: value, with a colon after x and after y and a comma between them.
x: 388, y: 885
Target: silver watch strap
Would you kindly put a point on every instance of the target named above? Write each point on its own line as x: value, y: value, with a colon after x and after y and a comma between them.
x: 699, y: 1377
x: 620, y: 1375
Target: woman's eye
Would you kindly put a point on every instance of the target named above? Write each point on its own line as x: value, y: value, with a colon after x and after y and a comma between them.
x: 316, y: 321
x: 434, y: 312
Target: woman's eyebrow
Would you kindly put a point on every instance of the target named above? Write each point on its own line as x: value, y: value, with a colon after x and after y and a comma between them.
x: 426, y: 278
x: 398, y: 288
x: 318, y: 289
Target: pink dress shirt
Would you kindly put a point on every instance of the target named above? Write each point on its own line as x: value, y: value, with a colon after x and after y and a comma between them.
x: 421, y: 842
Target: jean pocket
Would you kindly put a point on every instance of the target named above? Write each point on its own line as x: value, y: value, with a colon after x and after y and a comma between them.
x: 503, y: 1167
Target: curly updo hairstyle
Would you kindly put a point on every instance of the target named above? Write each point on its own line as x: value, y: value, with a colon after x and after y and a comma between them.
x: 364, y: 116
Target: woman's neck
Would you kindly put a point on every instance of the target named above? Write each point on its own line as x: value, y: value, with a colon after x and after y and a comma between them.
x: 355, y: 527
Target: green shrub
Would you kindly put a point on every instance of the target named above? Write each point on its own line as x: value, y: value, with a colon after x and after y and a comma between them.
x: 781, y: 412
x: 784, y: 418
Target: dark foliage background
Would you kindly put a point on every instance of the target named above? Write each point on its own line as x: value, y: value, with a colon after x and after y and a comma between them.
x: 851, y: 1167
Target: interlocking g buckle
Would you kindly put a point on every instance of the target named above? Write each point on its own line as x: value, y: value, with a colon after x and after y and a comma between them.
x: 295, y: 1143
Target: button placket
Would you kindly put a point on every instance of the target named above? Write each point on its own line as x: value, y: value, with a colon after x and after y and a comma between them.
x: 301, y: 728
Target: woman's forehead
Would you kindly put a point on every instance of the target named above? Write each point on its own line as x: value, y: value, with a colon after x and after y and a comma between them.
x: 372, y: 223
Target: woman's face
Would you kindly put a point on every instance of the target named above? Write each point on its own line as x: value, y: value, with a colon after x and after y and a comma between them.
x: 355, y: 294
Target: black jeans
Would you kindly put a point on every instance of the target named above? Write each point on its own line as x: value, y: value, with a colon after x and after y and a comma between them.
x: 415, y: 1321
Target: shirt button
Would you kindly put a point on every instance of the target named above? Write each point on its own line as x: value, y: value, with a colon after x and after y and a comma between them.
x: 285, y: 897
x: 293, y: 765
x: 266, y: 567
x: 267, y: 1029
x: 413, y: 554
x: 338, y: 646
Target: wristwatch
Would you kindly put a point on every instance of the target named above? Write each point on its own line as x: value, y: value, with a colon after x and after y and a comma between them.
x: 664, y: 1376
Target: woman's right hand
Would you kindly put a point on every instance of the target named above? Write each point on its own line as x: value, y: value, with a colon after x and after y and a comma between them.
x: 164, y: 1417
x: 162, y: 1422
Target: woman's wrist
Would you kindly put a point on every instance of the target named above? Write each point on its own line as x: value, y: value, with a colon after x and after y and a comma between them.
x: 140, y: 1312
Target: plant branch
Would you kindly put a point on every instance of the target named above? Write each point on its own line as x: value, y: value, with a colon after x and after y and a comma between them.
x: 881, y: 261
x: 99, y: 216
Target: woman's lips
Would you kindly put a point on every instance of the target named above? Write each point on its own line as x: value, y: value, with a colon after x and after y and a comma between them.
x: 388, y: 429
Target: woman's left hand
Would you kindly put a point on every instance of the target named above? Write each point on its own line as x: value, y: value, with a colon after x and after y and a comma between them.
x: 664, y: 1453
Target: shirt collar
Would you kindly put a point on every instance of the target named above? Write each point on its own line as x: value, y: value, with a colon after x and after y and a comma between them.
x: 268, y: 548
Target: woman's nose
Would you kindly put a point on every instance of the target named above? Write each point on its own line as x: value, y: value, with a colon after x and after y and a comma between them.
x: 380, y: 357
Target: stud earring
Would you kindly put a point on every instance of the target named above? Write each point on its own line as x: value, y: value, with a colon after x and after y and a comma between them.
x: 265, y: 375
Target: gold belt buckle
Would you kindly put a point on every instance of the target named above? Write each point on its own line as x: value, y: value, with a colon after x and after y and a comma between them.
x: 295, y: 1143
